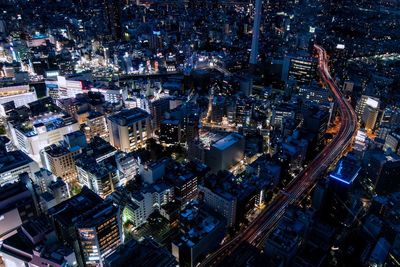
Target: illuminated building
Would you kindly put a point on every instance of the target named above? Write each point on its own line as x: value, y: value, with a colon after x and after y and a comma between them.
x: 89, y: 225
x: 99, y: 233
x: 19, y: 94
x: 341, y: 184
x: 302, y: 70
x: 142, y: 204
x: 366, y: 101
x: 170, y: 132
x: 282, y: 113
x: 218, y: 109
x: 158, y: 109
x: 13, y: 164
x: 71, y: 85
x: 101, y: 177
x: 111, y: 93
x: 156, y: 41
x: 243, y: 114
x: 346, y: 172
x: 185, y: 179
x: 369, y: 117
x: 392, y: 141
x: 256, y: 33
x: 96, y: 125
x: 314, y: 93
x: 129, y: 129
x: 38, y: 132
x: 59, y: 159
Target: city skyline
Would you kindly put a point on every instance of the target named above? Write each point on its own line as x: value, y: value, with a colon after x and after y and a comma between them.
x: 199, y: 133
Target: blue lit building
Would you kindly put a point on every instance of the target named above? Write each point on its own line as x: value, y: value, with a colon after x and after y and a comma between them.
x: 342, y: 199
x: 346, y: 172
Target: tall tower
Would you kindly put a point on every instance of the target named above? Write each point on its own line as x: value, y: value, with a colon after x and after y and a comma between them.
x: 113, y: 18
x: 256, y: 33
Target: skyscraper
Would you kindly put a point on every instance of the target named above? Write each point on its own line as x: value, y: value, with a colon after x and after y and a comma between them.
x: 113, y: 18
x: 256, y: 33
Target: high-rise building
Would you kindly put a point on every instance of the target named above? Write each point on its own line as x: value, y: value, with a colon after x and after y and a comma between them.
x: 256, y: 32
x: 342, y: 180
x: 369, y: 117
x: 218, y: 109
x: 315, y: 120
x: 158, y: 109
x: 226, y: 152
x: 244, y: 110
x: 89, y: 225
x: 302, y: 70
x: 101, y: 177
x: 170, y: 132
x: 59, y: 159
x: 96, y: 125
x: 382, y: 170
x: 113, y: 9
x: 366, y: 101
x: 129, y: 129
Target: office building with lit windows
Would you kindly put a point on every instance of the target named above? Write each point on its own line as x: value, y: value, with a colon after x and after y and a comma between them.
x: 101, y: 177
x: 302, y: 70
x: 129, y: 129
x: 13, y: 163
x: 96, y: 125
x: 38, y: 132
x: 89, y: 225
x: 170, y: 132
x: 99, y: 233
x: 59, y: 159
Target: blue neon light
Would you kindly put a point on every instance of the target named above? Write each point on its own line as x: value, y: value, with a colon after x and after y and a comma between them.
x: 339, y: 179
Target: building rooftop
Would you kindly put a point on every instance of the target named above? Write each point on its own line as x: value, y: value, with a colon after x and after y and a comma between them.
x: 227, y: 141
x: 12, y: 160
x: 346, y: 171
x: 146, y: 253
x: 66, y: 212
x: 56, y: 150
x: 129, y: 116
x: 44, y: 123
x: 196, y: 223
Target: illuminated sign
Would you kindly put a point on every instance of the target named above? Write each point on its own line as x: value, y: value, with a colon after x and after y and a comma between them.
x: 340, y: 46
